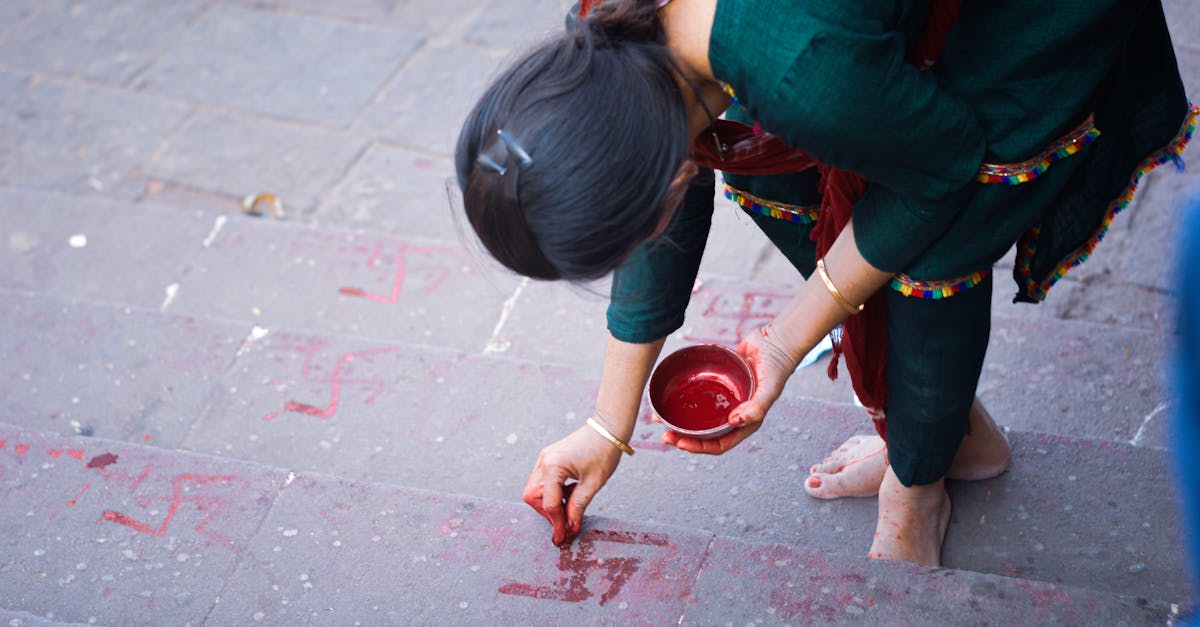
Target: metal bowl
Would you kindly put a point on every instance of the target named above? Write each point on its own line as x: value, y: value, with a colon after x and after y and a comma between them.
x: 694, y: 389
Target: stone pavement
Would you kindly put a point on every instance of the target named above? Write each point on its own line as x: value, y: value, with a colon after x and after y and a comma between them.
x: 216, y: 418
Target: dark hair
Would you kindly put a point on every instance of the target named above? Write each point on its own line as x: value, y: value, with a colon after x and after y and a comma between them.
x: 601, y: 116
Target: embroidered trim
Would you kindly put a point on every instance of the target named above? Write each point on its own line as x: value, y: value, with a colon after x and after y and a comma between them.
x: 1028, y: 243
x: 728, y: 89
x: 771, y: 209
x: 937, y: 289
x: 1030, y: 169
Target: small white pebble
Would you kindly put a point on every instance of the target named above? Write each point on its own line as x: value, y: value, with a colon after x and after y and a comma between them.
x: 39, y: 552
x: 287, y: 533
x: 463, y: 605
x: 511, y: 439
x: 78, y: 240
x: 258, y: 616
x: 303, y: 577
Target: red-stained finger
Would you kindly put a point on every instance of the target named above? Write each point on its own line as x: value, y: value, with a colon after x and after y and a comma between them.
x: 577, y: 503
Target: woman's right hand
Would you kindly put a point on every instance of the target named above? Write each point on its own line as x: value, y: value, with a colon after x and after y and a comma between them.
x: 586, y: 460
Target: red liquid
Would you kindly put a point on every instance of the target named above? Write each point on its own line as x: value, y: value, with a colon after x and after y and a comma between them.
x: 701, y: 403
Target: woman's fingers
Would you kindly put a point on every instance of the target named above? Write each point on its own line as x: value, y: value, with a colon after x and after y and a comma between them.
x: 553, y: 479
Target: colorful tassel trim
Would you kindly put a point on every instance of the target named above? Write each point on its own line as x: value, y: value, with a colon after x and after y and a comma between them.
x: 937, y: 289
x: 728, y: 89
x: 1028, y: 244
x: 1025, y: 171
x: 772, y: 209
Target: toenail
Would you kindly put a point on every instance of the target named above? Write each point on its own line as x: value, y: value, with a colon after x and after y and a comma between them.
x: 814, y: 482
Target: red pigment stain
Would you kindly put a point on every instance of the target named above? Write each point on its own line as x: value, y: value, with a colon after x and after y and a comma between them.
x: 575, y: 566
x: 75, y: 453
x: 55, y: 452
x: 3, y: 443
x: 103, y: 461
x: 438, y: 275
x: 177, y: 499
x: 75, y: 500
x: 702, y: 403
x: 21, y: 449
x: 336, y: 380
x: 146, y: 437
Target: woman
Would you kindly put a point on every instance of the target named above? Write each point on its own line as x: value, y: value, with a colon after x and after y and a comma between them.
x: 1033, y: 123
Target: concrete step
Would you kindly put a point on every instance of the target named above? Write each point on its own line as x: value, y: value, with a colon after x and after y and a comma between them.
x: 1044, y: 375
x: 1074, y: 510
x: 108, y: 532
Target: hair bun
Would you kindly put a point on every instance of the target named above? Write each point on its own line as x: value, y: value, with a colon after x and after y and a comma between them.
x: 625, y: 20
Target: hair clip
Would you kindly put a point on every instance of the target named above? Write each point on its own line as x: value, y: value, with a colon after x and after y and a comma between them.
x: 491, y: 163
x: 515, y: 147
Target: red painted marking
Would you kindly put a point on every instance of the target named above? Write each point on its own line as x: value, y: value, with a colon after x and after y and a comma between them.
x: 177, y: 499
x: 374, y: 386
x: 72, y: 502
x: 103, y: 461
x: 75, y: 453
x: 54, y: 452
x: 3, y: 443
x: 436, y: 273
x: 577, y: 564
x: 21, y: 449
x: 729, y: 325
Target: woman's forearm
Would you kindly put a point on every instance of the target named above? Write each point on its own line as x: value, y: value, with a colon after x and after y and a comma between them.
x: 627, y: 368
x: 814, y: 311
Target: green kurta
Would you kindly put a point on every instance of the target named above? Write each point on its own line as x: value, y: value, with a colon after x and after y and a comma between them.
x: 830, y: 78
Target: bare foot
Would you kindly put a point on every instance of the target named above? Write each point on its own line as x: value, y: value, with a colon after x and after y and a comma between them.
x: 984, y: 452
x: 854, y: 469
x: 912, y: 521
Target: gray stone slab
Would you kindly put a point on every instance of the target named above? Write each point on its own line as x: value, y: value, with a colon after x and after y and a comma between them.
x: 384, y: 412
x: 283, y: 276
x: 451, y: 560
x: 444, y: 16
x: 398, y: 191
x: 81, y: 138
x: 240, y: 155
x: 109, y: 371
x: 25, y: 619
x: 1075, y: 378
x: 96, y: 249
x: 1080, y: 512
x: 10, y: 84
x: 106, y: 40
x: 1184, y: 24
x: 779, y: 585
x: 291, y: 66
x: 517, y: 24
x: 1148, y: 260
x: 1121, y: 304
x: 360, y: 10
x: 100, y: 531
x: 425, y: 108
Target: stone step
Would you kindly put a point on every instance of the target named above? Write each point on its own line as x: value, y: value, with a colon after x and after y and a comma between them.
x: 108, y: 532
x: 1072, y: 510
x: 1045, y: 375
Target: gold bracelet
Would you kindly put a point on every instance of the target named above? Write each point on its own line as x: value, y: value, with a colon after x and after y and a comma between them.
x: 833, y: 290
x: 599, y: 428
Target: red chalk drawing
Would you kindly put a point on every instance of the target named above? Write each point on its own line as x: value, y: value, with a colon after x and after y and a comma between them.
x: 372, y: 386
x: 577, y: 564
x: 21, y: 449
x: 103, y: 461
x: 72, y: 502
x: 54, y: 452
x: 176, y: 500
x: 419, y: 263
x: 728, y: 318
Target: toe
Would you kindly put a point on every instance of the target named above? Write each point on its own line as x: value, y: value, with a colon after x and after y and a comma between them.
x: 827, y: 467
x: 823, y: 486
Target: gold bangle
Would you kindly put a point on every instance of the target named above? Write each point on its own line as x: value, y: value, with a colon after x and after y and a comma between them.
x: 833, y: 290
x: 599, y: 428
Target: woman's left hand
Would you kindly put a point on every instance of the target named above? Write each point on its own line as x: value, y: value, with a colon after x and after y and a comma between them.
x: 772, y: 365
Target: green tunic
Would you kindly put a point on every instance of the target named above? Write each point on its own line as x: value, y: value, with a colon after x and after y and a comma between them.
x: 829, y: 76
